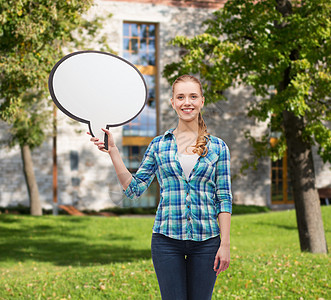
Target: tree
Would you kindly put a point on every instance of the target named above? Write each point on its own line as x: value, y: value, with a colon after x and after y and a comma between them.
x: 33, y: 36
x: 281, y: 46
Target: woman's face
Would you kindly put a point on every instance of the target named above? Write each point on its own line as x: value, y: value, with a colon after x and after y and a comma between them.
x: 187, y: 100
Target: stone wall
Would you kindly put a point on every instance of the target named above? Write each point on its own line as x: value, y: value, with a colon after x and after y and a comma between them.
x: 86, y: 177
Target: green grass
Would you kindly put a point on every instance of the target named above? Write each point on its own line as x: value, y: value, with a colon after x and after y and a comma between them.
x: 109, y: 258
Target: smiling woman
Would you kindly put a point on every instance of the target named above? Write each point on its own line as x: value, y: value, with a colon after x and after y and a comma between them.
x: 193, y: 171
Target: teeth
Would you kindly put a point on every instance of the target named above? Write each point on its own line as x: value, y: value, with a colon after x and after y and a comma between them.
x: 188, y: 109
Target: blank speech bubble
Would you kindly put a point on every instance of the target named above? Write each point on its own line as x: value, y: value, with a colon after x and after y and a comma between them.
x: 97, y: 88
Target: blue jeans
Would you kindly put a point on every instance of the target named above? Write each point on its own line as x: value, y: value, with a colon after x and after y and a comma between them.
x: 184, y: 269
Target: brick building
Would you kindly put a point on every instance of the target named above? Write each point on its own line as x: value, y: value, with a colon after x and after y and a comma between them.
x: 140, y: 31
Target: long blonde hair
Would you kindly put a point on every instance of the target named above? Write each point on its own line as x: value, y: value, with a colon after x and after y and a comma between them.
x: 200, y: 147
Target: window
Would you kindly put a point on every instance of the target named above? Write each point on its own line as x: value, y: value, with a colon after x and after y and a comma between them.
x: 281, y: 191
x: 133, y: 156
x: 139, y: 43
x: 139, y: 47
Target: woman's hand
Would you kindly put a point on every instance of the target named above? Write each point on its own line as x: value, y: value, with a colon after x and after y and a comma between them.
x: 222, y: 259
x: 101, y: 145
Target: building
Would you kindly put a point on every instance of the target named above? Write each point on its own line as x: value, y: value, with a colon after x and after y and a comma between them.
x: 140, y: 31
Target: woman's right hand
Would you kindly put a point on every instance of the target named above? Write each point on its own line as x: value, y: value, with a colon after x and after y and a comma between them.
x: 100, y: 144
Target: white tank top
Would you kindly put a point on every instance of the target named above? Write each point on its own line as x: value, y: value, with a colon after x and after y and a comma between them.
x: 187, y: 162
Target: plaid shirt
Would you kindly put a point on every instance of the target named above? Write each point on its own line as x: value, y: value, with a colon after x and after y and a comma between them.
x: 188, y: 209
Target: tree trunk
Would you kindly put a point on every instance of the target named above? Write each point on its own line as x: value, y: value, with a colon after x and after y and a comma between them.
x: 300, y: 159
x: 31, y: 183
x: 302, y: 174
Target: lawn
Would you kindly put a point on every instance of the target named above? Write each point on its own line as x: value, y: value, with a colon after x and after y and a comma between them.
x: 109, y: 258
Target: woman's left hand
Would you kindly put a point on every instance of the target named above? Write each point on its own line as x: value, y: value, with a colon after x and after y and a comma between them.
x: 222, y: 259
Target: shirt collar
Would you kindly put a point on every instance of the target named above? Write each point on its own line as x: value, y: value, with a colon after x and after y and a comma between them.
x: 169, y: 132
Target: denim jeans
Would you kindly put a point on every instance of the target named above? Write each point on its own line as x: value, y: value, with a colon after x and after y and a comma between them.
x: 184, y: 269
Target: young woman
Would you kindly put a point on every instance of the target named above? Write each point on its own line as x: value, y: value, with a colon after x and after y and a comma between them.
x: 193, y: 170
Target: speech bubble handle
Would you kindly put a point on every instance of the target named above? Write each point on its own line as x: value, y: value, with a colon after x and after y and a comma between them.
x: 96, y: 131
x: 98, y: 88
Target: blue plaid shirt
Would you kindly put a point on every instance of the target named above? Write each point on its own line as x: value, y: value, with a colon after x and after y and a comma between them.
x: 188, y: 209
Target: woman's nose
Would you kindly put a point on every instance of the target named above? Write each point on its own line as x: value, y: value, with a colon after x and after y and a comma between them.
x: 187, y: 100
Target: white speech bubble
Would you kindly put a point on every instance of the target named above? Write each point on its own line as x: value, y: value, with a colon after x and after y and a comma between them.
x: 97, y: 88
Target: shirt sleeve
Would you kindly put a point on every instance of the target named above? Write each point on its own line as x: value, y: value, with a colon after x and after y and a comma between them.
x: 144, y: 176
x: 223, y: 182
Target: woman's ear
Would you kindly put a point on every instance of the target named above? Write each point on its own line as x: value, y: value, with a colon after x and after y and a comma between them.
x: 202, y: 102
x: 172, y: 103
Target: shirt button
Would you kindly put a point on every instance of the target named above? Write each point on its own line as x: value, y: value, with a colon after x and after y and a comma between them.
x: 188, y: 206
x: 189, y: 218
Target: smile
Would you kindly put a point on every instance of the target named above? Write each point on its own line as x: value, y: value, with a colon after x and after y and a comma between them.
x: 187, y: 109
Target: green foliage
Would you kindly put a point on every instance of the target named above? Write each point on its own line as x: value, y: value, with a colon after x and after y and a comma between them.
x: 285, y: 57
x: 34, y: 35
x: 109, y: 258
